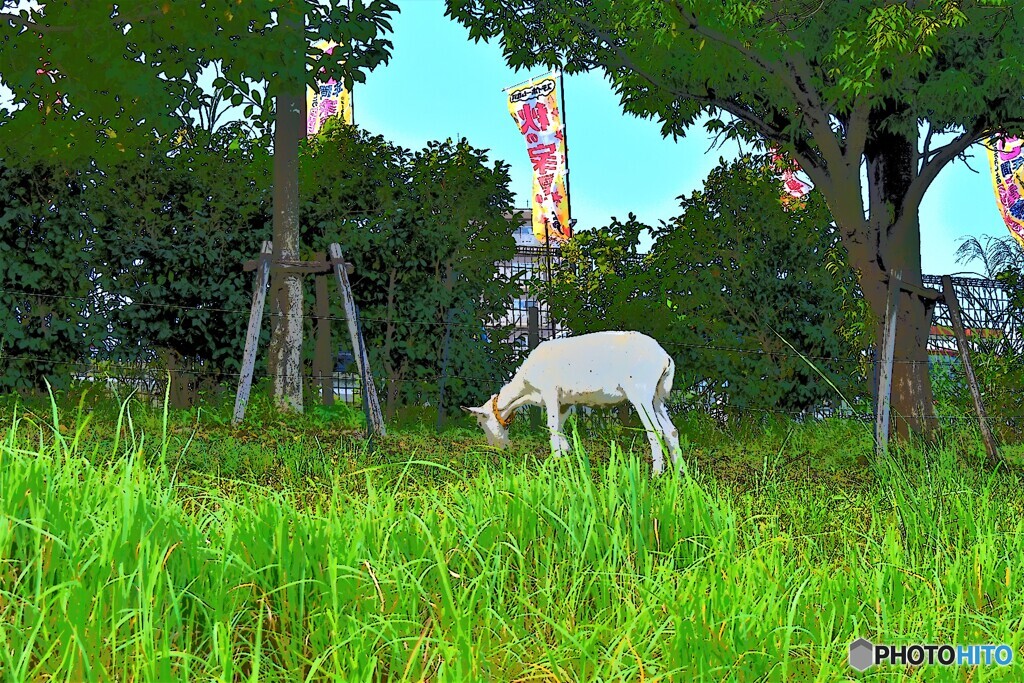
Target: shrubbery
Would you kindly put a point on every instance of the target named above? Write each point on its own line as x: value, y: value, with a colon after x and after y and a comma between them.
x: 736, y: 288
x: 49, y: 312
x: 424, y: 231
x: 174, y: 234
x: 142, y: 260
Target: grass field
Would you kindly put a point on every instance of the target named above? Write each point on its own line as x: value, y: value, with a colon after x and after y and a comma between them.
x: 140, y: 546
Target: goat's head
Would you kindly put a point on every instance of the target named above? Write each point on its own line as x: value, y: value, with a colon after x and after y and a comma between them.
x: 496, y: 434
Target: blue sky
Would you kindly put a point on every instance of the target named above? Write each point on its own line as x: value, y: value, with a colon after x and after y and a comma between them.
x: 440, y: 84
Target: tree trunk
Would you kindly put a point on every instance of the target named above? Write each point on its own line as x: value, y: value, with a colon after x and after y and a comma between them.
x: 395, y: 378
x: 182, y: 393
x: 284, y: 364
x: 391, y: 406
x: 911, y: 401
x: 893, y: 242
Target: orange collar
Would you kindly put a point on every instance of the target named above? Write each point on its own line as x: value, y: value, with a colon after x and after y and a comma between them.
x: 494, y: 409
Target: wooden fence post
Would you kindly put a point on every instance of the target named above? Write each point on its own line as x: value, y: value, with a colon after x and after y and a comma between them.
x: 375, y: 421
x: 885, y: 369
x: 252, y: 335
x: 953, y: 304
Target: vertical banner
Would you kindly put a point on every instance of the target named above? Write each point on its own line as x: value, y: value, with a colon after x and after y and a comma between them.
x: 330, y: 99
x: 794, y: 188
x: 534, y: 107
x: 1006, y: 157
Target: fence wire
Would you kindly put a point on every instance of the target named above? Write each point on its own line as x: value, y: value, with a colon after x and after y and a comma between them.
x: 149, y: 383
x: 984, y: 304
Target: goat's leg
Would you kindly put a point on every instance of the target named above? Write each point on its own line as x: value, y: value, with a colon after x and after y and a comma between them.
x: 668, y: 430
x: 559, y: 445
x: 563, y: 438
x: 648, y: 416
x: 563, y: 413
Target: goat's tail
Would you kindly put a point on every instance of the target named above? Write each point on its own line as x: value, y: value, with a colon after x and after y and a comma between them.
x: 667, y: 375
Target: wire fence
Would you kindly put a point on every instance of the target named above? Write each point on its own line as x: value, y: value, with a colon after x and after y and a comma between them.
x: 985, y: 305
x: 988, y: 315
x: 149, y: 383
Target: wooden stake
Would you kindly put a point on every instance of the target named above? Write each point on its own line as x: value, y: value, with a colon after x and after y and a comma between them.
x: 323, y: 368
x: 885, y: 369
x: 252, y: 335
x: 953, y: 304
x: 375, y: 421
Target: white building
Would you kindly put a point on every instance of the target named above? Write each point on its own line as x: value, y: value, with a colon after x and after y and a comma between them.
x: 534, y: 261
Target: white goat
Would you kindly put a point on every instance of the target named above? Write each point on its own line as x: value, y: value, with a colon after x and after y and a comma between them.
x: 598, y: 369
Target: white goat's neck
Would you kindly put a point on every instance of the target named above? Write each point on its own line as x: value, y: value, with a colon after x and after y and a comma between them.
x: 513, y: 395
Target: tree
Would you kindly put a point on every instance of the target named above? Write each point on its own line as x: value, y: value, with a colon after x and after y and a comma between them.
x: 97, y: 81
x: 425, y: 231
x: 836, y: 85
x: 603, y: 282
x: 728, y: 286
x: 743, y: 273
x: 142, y: 61
x: 998, y: 256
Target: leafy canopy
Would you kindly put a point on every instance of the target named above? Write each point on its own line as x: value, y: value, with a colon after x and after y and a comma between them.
x: 820, y: 78
x: 676, y: 59
x: 123, y: 74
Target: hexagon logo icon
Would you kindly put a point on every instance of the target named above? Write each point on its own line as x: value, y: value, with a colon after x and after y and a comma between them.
x: 862, y: 654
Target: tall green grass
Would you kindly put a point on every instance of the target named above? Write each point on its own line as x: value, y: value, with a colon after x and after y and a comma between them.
x: 757, y: 568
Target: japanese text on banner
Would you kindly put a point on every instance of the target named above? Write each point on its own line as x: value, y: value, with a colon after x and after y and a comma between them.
x: 330, y: 98
x: 1006, y: 158
x: 534, y: 108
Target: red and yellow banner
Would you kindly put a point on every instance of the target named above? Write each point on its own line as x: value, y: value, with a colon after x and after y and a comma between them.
x: 534, y: 107
x: 330, y: 99
x: 1006, y: 157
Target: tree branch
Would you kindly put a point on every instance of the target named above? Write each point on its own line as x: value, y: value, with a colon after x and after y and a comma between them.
x: 803, y: 154
x: 930, y: 167
x: 923, y: 157
x: 34, y: 27
x: 758, y: 123
x: 799, y: 82
x: 857, y: 130
x: 710, y: 34
x: 796, y: 78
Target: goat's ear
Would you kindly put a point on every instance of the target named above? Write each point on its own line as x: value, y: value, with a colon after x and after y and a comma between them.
x: 477, y: 411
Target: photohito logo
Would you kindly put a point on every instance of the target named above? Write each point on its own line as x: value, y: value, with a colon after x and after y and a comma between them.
x: 864, y: 654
